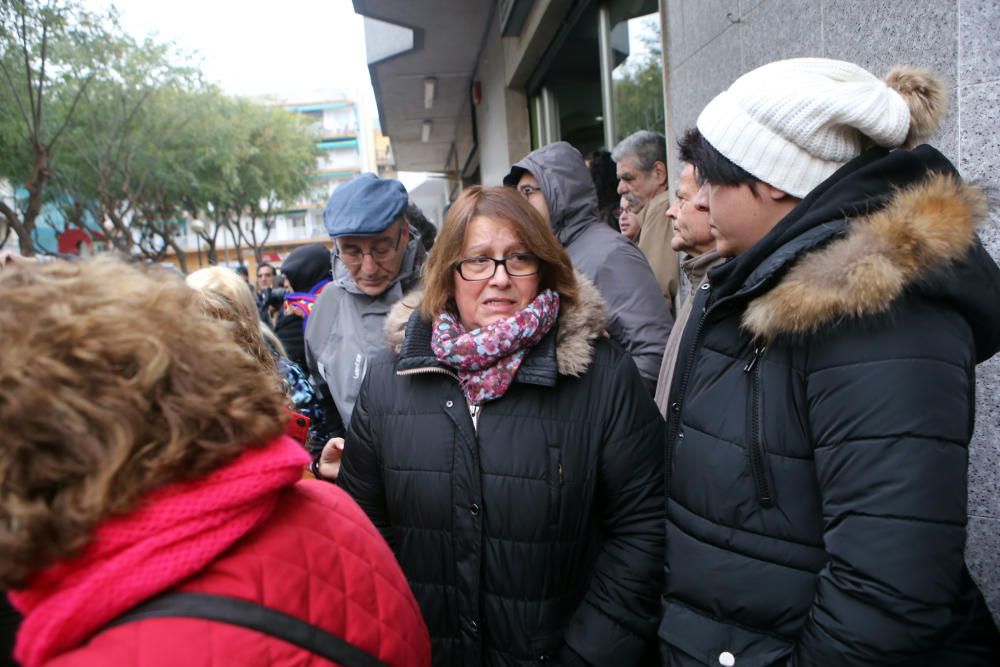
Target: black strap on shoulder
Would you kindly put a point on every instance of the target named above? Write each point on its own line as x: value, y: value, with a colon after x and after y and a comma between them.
x: 253, y: 616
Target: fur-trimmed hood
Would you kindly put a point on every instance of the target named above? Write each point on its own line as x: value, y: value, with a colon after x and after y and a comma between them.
x: 578, y: 327
x: 913, y: 241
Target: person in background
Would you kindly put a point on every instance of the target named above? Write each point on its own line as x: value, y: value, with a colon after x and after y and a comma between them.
x: 692, y: 237
x: 821, y: 413
x: 268, y: 293
x: 222, y: 297
x: 376, y: 260
x: 265, y: 276
x: 510, y: 454
x: 425, y: 228
x: 628, y: 220
x: 307, y: 272
x: 602, y: 173
x: 556, y: 182
x: 146, y: 480
x: 244, y: 273
x: 641, y: 160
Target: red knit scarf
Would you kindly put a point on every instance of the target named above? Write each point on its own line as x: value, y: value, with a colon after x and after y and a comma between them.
x: 173, y: 534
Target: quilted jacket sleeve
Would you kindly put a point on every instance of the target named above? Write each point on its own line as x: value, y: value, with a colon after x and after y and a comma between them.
x: 616, y: 621
x: 638, y: 315
x: 890, y: 409
x: 360, y: 468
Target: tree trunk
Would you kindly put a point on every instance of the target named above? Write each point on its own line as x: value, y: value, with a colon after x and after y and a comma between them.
x: 35, y: 185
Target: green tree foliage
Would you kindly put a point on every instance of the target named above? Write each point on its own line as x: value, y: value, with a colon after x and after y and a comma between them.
x: 279, y: 150
x: 127, y: 135
x: 638, y: 91
x: 50, y: 52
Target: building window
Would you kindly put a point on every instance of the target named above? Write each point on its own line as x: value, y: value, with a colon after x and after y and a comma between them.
x: 565, y: 91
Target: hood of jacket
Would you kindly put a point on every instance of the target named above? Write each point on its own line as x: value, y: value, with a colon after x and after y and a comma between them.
x: 409, y: 270
x: 568, y: 349
x: 917, y: 231
x: 566, y: 183
x: 306, y: 265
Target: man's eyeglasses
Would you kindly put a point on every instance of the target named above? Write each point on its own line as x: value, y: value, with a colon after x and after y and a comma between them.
x: 380, y: 251
x: 516, y: 265
x: 528, y: 190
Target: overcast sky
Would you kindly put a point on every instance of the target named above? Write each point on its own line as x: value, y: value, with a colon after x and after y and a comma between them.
x: 256, y: 48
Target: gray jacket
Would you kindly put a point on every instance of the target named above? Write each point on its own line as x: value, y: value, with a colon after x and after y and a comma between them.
x: 638, y: 315
x: 346, y: 328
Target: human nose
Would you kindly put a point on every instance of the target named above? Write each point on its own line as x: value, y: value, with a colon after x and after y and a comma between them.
x: 622, y: 188
x: 500, y: 276
x: 368, y: 263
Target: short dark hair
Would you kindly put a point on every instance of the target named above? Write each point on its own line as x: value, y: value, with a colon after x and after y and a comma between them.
x: 710, y: 164
x: 265, y: 265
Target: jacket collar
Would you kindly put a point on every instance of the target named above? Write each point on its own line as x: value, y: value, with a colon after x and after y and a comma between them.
x: 858, y: 266
x: 566, y: 350
x: 696, y: 267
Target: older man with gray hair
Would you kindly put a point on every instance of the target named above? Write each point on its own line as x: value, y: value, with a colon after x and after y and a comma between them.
x: 641, y: 161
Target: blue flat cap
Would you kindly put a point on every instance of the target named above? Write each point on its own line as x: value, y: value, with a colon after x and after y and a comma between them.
x: 365, y: 206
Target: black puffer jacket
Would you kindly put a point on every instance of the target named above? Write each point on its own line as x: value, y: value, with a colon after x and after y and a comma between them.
x: 819, y: 419
x: 541, y: 526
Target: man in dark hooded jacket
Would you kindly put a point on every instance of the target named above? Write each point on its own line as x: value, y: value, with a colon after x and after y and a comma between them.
x: 307, y: 270
x: 556, y: 181
x: 823, y: 399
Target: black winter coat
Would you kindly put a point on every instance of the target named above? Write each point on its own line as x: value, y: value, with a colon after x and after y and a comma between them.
x: 818, y: 428
x: 541, y: 526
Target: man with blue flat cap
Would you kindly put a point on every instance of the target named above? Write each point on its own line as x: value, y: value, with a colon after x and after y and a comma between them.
x: 376, y: 260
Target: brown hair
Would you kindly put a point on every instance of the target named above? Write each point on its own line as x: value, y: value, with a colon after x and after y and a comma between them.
x: 113, y: 382
x: 505, y: 205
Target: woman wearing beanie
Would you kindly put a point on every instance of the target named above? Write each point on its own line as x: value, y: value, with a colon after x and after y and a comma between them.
x: 147, y: 488
x: 823, y: 401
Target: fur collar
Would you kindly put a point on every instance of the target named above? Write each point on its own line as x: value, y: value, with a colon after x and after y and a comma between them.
x: 578, y: 327
x: 920, y: 230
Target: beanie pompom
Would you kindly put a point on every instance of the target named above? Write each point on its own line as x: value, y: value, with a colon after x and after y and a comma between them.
x: 925, y: 96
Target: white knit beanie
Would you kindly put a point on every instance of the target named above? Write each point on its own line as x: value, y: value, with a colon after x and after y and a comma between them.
x: 792, y: 123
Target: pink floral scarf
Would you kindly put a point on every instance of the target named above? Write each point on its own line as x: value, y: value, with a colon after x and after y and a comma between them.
x: 488, y: 358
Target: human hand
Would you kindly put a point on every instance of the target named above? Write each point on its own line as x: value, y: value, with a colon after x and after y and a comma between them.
x: 329, y: 460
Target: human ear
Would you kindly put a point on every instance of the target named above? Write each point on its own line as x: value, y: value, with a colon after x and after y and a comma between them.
x: 660, y: 172
x: 773, y: 193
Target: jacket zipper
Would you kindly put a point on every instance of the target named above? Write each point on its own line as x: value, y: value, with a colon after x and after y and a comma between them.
x: 758, y: 455
x: 474, y: 411
x: 429, y: 369
x: 675, y: 415
x: 555, y: 483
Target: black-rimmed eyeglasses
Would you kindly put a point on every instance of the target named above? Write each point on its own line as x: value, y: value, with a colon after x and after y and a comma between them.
x: 517, y: 265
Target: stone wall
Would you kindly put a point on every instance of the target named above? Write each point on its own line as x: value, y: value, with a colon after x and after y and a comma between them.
x: 711, y: 42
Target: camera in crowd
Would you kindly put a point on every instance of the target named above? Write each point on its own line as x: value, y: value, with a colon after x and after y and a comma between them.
x: 272, y: 297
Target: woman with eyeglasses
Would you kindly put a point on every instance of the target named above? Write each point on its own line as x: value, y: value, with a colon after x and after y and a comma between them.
x: 510, y: 454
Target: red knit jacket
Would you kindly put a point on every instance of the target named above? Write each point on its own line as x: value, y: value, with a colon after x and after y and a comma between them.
x: 316, y: 557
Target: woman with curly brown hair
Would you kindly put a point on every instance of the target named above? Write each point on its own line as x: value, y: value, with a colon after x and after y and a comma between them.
x: 142, y: 462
